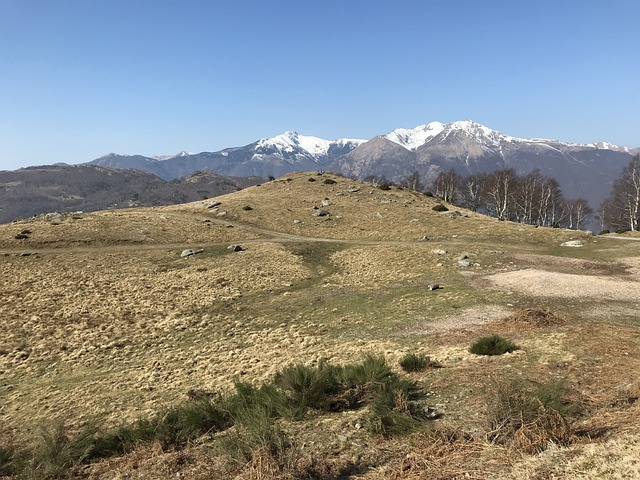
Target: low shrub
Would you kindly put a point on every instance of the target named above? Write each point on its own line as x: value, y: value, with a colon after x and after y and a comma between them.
x: 247, y: 208
x: 412, y: 362
x: 173, y: 428
x: 492, y: 345
x: 57, y: 451
x: 529, y: 418
x: 309, y: 387
x: 329, y: 181
x: 394, y: 410
x: 21, y: 236
x: 384, y: 186
x: 604, y: 232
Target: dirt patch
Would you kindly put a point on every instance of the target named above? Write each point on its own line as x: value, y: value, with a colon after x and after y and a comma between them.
x: 469, y: 318
x: 534, y: 317
x: 541, y: 283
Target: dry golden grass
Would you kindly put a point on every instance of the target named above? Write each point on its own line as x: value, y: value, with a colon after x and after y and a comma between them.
x: 105, y: 318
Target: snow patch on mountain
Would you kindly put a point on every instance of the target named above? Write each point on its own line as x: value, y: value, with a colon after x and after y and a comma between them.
x: 412, y: 138
x: 292, y: 142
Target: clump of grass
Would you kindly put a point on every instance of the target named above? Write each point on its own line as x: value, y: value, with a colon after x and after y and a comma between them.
x: 384, y: 186
x: 492, y: 345
x: 439, y: 208
x: 412, y: 362
x: 529, y: 418
x: 394, y: 410
x: 329, y: 181
x: 7, y: 461
x: 308, y: 387
x: 57, y: 450
x: 21, y: 236
x: 172, y: 428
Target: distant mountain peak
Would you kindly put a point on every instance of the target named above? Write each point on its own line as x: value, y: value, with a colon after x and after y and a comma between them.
x: 292, y: 142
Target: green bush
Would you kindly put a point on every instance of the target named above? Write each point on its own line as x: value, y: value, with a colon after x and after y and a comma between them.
x: 309, y: 387
x: 412, y: 362
x: 492, y: 345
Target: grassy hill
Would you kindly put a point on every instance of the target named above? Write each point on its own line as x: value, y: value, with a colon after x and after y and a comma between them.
x: 106, y: 324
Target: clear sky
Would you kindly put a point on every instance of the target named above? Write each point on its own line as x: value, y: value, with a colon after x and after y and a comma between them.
x: 82, y: 78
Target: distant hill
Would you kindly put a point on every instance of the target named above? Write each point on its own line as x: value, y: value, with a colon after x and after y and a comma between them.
x: 66, y: 188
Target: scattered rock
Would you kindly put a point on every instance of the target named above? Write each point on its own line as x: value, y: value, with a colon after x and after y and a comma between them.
x: 214, y: 204
x: 573, y: 243
x: 464, y: 263
x: 463, y: 256
x: 247, y: 208
x: 454, y: 214
x: 326, y: 202
x: 329, y: 181
x: 25, y: 254
x: 222, y: 214
x: 235, y: 248
x: 296, y: 221
x: 190, y: 252
x: 439, y: 251
x: 320, y: 213
x: 434, y: 286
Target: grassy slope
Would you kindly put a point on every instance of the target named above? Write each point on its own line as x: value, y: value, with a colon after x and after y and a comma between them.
x: 106, y: 318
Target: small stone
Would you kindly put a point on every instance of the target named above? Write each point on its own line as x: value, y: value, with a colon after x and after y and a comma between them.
x: 439, y: 251
x: 235, y: 248
x: 434, y: 286
x: 573, y: 243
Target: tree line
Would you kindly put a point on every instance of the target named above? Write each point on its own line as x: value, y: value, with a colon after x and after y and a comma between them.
x: 534, y: 198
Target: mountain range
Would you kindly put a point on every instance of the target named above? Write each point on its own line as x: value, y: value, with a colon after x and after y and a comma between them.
x: 582, y: 170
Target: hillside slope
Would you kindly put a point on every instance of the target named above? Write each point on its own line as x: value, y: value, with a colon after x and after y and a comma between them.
x: 121, y: 314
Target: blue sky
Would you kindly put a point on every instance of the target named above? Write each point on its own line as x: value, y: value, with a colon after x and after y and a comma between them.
x: 81, y: 78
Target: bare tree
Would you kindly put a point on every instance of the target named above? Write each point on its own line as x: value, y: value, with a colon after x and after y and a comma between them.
x: 473, y: 191
x: 413, y: 181
x: 500, y: 192
x: 576, y: 212
x: 446, y: 185
x: 623, y: 204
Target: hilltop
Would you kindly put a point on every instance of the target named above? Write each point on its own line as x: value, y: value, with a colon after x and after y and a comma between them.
x: 122, y: 314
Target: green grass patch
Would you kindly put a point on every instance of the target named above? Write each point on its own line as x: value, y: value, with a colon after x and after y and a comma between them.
x: 492, y: 345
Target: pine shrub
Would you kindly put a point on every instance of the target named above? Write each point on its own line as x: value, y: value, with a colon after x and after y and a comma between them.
x: 492, y: 345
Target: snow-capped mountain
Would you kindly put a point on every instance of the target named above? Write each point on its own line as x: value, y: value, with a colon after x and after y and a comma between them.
x: 275, y: 156
x: 583, y: 170
x: 416, y: 137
